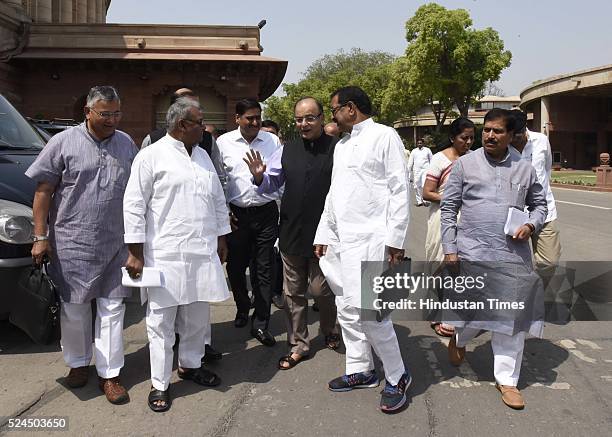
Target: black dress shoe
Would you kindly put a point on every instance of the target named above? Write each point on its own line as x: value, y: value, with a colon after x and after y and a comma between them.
x: 277, y: 300
x: 241, y: 320
x: 315, y: 307
x: 264, y: 336
x: 211, y: 354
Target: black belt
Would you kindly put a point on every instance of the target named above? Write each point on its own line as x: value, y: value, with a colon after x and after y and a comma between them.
x: 252, y: 209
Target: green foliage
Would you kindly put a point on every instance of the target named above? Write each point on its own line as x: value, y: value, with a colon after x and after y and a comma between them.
x: 448, y: 62
x: 369, y: 70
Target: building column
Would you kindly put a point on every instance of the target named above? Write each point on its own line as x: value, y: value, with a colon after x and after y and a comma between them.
x: 545, y: 115
x: 65, y: 11
x: 81, y: 11
x: 100, y: 11
x: 43, y: 11
x: 91, y: 11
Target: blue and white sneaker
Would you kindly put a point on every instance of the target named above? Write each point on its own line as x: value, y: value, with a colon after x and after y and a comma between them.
x: 354, y: 380
x: 394, y: 396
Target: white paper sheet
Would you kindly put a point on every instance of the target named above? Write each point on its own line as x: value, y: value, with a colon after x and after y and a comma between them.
x: 332, y: 270
x: 151, y: 277
x: 516, y: 218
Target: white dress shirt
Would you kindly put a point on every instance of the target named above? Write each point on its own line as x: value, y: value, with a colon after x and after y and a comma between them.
x: 537, y: 151
x: 367, y: 207
x: 233, y: 147
x: 174, y: 204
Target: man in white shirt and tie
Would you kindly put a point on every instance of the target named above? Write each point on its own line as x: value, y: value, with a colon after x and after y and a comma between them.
x: 255, y: 215
x: 175, y: 221
x: 419, y: 160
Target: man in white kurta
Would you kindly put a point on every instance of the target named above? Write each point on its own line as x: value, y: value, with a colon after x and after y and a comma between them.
x: 534, y: 147
x: 419, y: 160
x: 365, y: 219
x: 175, y: 221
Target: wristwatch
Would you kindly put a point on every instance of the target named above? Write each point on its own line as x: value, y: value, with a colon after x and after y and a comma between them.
x: 36, y: 238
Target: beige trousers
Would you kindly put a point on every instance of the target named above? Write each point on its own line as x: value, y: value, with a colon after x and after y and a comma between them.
x: 546, y: 250
x: 298, y: 273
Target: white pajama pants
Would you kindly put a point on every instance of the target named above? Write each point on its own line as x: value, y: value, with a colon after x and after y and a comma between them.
x: 507, y: 353
x: 207, y: 328
x: 360, y: 336
x: 191, y: 321
x: 75, y: 322
x: 418, y: 186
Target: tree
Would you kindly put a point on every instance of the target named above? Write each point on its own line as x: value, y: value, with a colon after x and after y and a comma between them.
x: 447, y: 62
x: 369, y: 70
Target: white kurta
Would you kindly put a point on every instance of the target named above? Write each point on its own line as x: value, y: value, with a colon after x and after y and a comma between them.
x: 537, y: 151
x: 174, y: 204
x: 418, y: 162
x: 367, y: 207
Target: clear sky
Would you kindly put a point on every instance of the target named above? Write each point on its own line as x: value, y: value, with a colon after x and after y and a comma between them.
x: 546, y: 37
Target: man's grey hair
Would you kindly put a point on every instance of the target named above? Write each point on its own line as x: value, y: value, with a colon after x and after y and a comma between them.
x: 179, y: 110
x: 103, y: 92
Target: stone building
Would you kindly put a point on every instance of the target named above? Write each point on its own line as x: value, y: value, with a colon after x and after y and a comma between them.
x: 423, y: 122
x: 575, y: 111
x: 53, y: 51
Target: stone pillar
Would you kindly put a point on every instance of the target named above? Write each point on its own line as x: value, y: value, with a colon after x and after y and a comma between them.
x: 545, y: 115
x: 43, y: 11
x: 81, y: 11
x: 91, y: 11
x: 65, y: 12
x: 100, y: 11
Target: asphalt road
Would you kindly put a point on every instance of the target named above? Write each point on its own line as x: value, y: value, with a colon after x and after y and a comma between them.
x: 566, y: 378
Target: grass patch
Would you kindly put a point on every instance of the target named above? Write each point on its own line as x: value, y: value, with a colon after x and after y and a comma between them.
x: 587, y: 178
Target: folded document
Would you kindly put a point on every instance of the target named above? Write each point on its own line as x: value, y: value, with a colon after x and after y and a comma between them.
x: 516, y: 219
x: 150, y: 277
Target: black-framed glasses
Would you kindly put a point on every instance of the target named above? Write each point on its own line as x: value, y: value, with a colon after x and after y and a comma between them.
x: 337, y: 108
x: 307, y: 119
x: 252, y: 118
x: 108, y: 114
x: 198, y: 122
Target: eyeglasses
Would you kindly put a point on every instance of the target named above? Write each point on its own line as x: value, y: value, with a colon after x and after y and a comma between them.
x: 108, y: 114
x: 337, y: 108
x: 307, y: 119
x: 198, y: 122
x: 252, y: 118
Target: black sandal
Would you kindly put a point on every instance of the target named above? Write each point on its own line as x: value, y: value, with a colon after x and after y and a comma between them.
x: 159, y: 395
x: 332, y: 341
x: 200, y: 376
x: 291, y: 361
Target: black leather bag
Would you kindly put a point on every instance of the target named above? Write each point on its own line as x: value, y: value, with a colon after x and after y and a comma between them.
x: 35, y: 307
